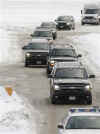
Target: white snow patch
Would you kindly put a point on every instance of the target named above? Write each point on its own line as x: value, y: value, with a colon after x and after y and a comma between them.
x: 15, y: 116
x: 90, y: 45
x: 10, y: 51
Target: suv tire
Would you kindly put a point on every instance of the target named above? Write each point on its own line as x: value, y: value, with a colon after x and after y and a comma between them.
x: 82, y: 23
x: 26, y: 64
x: 53, y: 101
x: 89, y: 100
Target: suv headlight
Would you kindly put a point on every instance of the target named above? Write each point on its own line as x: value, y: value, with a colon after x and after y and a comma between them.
x: 56, y: 87
x: 88, y: 87
x: 68, y: 23
x: 28, y: 54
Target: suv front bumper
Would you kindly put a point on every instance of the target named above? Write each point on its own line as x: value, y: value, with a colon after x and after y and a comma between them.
x: 72, y: 96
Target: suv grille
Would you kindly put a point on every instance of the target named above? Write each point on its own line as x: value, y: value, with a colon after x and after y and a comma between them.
x: 89, y: 17
x: 72, y: 86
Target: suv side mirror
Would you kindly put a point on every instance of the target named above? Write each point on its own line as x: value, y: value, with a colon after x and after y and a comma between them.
x: 60, y: 126
x: 32, y: 35
x: 23, y: 47
x: 92, y: 76
x: 81, y: 11
x: 79, y: 55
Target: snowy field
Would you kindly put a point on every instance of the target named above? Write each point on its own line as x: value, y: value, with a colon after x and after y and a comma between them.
x: 15, y: 116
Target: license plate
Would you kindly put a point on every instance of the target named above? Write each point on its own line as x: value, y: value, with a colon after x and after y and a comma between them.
x: 38, y: 62
x: 61, y: 26
x: 72, y: 98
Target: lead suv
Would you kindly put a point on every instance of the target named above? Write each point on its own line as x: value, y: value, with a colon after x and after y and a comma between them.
x: 70, y: 83
x: 65, y: 22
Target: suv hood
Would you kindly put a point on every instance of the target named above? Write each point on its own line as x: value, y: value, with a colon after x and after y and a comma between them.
x: 85, y: 131
x: 63, y: 58
x: 83, y: 81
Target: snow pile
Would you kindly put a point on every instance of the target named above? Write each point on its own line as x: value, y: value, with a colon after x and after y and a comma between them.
x: 90, y: 45
x: 10, y: 51
x: 15, y: 117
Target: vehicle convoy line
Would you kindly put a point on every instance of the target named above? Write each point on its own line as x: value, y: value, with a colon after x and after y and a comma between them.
x: 38, y: 94
x: 33, y: 84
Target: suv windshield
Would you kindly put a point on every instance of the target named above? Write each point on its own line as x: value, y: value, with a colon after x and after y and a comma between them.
x: 91, y: 11
x: 37, y: 46
x: 83, y: 122
x: 62, y: 18
x: 42, y: 34
x: 51, y: 25
x: 63, y: 52
x: 70, y: 73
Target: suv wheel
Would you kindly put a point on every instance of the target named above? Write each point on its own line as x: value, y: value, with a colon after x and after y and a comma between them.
x: 89, y: 100
x: 26, y: 64
x: 82, y: 23
x: 53, y: 101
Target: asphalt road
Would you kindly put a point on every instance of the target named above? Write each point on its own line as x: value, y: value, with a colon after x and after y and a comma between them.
x: 33, y: 84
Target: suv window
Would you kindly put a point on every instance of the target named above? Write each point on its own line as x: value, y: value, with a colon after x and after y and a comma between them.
x: 70, y: 73
x: 63, y: 52
x: 38, y: 46
x: 51, y: 25
x: 42, y: 34
x: 83, y: 122
x: 91, y: 11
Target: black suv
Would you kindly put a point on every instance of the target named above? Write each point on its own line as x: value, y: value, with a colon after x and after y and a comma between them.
x: 61, y: 54
x: 52, y: 26
x: 36, y: 52
x: 43, y: 33
x: 70, y: 83
x: 65, y: 22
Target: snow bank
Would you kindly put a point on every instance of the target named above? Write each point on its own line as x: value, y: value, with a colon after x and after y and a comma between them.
x: 10, y: 51
x: 90, y: 45
x: 15, y: 116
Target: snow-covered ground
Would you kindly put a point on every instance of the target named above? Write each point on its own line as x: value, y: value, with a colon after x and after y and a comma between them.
x: 90, y: 45
x: 10, y: 51
x: 15, y: 116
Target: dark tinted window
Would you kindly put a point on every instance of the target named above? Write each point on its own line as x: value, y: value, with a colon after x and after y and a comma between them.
x: 70, y: 73
x: 62, y: 18
x: 49, y: 25
x: 91, y: 11
x: 84, y: 122
x: 42, y: 34
x: 43, y: 46
x: 63, y: 52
